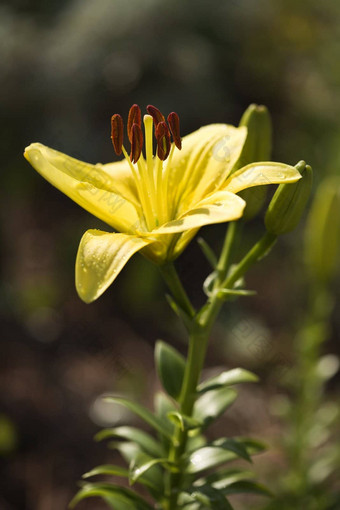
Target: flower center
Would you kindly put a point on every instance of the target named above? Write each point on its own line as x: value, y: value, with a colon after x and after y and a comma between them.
x: 150, y: 173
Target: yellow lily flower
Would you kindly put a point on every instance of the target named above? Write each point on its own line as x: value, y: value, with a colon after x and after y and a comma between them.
x: 156, y: 203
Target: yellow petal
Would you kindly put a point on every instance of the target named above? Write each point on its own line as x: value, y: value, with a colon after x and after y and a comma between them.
x: 257, y: 174
x: 218, y: 207
x: 121, y: 174
x: 88, y: 185
x: 101, y: 256
x: 205, y: 161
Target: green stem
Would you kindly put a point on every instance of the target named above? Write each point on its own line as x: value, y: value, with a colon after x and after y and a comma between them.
x: 172, y: 280
x: 198, y: 341
x: 224, y: 260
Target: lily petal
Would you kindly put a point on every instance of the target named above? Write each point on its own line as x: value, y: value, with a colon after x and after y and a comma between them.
x: 124, y: 182
x: 218, y: 207
x: 88, y: 185
x: 101, y: 256
x: 257, y: 174
x: 205, y: 161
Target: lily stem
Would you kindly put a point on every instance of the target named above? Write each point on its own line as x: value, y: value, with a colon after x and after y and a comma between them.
x: 198, y: 342
x: 226, y: 253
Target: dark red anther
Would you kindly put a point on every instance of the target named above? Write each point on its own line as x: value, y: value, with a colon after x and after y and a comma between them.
x: 163, y: 140
x: 117, y: 133
x: 155, y: 114
x: 173, y: 120
x: 135, y: 117
x: 136, y: 143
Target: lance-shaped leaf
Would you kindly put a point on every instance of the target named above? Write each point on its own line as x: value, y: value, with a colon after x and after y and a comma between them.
x: 146, y: 442
x: 234, y: 446
x: 254, y: 446
x: 112, y: 470
x: 208, y: 252
x: 118, y: 498
x: 227, y: 378
x: 186, y: 319
x: 213, y: 404
x: 227, y: 293
x: 170, y: 366
x: 141, y: 411
x: 107, y: 469
x: 215, y: 454
x: 163, y: 406
x: 247, y: 487
x: 225, y: 477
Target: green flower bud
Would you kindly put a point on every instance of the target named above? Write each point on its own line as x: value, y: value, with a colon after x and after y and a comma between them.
x: 257, y: 147
x: 322, y: 239
x: 289, y: 202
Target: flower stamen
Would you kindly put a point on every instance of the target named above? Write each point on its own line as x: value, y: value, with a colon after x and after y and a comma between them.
x: 155, y: 114
x: 117, y: 133
x: 150, y: 174
x: 135, y: 117
x: 163, y: 140
x: 173, y: 120
x: 136, y: 143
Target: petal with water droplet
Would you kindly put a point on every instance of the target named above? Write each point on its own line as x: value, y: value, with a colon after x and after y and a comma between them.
x: 101, y: 256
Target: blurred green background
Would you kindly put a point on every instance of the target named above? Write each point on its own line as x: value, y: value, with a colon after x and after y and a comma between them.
x: 66, y: 67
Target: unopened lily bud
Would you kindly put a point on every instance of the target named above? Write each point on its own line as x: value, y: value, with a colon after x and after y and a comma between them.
x: 257, y: 147
x: 322, y: 241
x: 289, y: 202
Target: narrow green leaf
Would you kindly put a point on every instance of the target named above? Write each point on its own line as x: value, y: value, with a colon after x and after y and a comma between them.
x: 147, y: 443
x: 254, y: 446
x: 247, y: 487
x: 143, y: 413
x: 163, y: 406
x: 152, y: 479
x: 225, y: 293
x: 127, y: 449
x: 111, y: 470
x: 233, y: 445
x: 208, y: 457
x: 116, y: 497
x: 227, y: 378
x: 211, y: 405
x: 107, y: 469
x: 186, y: 319
x: 208, y: 252
x: 195, y: 441
x: 216, y: 453
x: 225, y: 477
x: 170, y: 365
